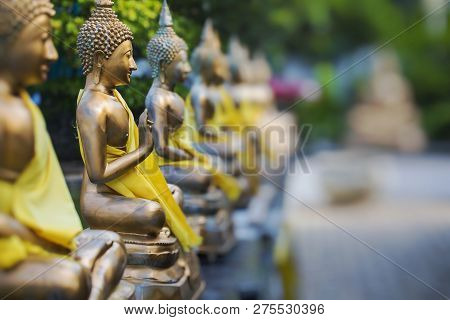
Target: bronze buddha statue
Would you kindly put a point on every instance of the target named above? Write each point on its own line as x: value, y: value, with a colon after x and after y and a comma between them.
x: 44, y: 253
x: 196, y: 172
x: 212, y: 110
x: 123, y: 187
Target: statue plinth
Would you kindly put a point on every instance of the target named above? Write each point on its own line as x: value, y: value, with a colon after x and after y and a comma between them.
x: 180, y: 281
x: 210, y: 216
x: 159, y: 270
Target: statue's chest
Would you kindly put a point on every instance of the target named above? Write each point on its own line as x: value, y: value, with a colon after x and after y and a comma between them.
x: 17, y: 138
x: 117, y: 125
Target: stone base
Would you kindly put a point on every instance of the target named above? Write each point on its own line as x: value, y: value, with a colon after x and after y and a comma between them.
x: 124, y: 291
x: 217, y: 232
x: 182, y: 281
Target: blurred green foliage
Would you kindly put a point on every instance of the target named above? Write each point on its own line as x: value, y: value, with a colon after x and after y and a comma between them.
x: 323, y: 31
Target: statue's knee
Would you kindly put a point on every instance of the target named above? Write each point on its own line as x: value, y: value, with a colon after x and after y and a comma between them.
x: 153, y: 217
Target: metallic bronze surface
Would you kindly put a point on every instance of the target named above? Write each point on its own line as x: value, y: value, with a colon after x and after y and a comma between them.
x: 95, y: 268
x: 168, y: 57
x: 154, y: 262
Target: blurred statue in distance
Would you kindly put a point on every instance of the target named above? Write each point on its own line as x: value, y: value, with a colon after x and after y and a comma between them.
x: 387, y: 116
x: 44, y: 252
x: 123, y: 187
x: 211, y: 111
x: 276, y: 137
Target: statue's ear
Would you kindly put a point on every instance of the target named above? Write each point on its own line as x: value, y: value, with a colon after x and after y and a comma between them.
x: 99, y: 58
x: 162, y: 71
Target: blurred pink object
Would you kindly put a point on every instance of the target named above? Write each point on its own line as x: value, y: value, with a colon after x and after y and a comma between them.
x: 284, y: 90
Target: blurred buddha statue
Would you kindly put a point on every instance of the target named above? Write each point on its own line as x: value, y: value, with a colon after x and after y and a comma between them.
x: 276, y: 131
x: 123, y: 187
x: 179, y: 160
x: 387, y: 117
x: 210, y: 109
x: 44, y: 252
x: 208, y: 103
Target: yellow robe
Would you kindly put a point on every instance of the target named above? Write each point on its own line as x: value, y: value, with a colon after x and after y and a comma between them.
x: 39, y: 199
x: 146, y: 181
x: 183, y: 138
x: 226, y: 115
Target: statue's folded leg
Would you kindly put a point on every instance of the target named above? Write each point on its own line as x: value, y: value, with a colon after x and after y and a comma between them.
x: 106, y: 257
x: 44, y: 278
x: 122, y: 214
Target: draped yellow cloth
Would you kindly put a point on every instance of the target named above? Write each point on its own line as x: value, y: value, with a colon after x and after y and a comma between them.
x: 39, y: 199
x: 183, y: 138
x: 146, y: 181
x: 252, y: 115
x: 227, y: 115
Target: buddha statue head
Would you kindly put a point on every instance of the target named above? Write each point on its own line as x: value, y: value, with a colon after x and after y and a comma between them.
x: 26, y: 45
x: 105, y: 48
x: 262, y: 72
x: 208, y: 59
x: 167, y: 53
x: 239, y: 60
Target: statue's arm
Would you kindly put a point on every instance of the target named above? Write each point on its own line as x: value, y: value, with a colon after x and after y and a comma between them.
x: 92, y: 127
x: 10, y: 227
x: 199, y: 103
x: 161, y: 134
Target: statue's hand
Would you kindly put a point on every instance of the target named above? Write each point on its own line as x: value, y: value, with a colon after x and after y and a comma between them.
x: 145, y: 132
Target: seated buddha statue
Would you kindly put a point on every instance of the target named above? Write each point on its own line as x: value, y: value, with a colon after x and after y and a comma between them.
x: 204, y: 104
x: 123, y: 188
x: 276, y: 138
x: 194, y: 171
x: 44, y: 252
x: 210, y: 108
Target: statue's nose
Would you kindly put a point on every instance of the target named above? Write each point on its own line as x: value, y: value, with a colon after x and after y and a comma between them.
x: 51, y: 53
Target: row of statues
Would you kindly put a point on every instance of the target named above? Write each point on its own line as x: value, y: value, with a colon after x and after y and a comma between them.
x: 153, y: 191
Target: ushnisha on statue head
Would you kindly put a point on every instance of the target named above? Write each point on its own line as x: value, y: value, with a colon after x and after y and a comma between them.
x: 167, y: 53
x: 240, y: 62
x: 105, y: 48
x: 208, y: 59
x: 26, y: 45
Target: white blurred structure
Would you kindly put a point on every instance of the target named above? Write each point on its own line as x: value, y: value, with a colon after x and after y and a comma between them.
x: 387, y: 117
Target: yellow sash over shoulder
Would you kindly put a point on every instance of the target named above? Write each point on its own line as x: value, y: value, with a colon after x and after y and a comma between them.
x: 183, y: 139
x: 226, y: 115
x: 39, y: 198
x: 146, y: 181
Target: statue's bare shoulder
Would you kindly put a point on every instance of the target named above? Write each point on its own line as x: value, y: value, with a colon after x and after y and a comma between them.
x: 157, y: 101
x: 93, y: 109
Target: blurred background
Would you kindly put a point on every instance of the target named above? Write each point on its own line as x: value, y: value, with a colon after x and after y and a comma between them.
x: 365, y: 214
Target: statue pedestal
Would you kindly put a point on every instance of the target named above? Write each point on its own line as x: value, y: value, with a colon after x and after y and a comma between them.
x: 124, y: 291
x: 160, y: 270
x: 212, y: 221
x: 217, y: 232
x: 182, y: 281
